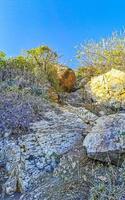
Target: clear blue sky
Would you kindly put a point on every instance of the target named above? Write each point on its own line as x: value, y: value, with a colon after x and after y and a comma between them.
x: 60, y: 24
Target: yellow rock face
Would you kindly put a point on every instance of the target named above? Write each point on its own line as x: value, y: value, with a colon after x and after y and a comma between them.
x: 109, y: 86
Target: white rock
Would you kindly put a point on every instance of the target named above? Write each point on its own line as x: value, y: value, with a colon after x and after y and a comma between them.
x: 106, y: 141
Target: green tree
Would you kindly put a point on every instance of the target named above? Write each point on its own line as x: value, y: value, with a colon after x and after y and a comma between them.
x: 42, y: 57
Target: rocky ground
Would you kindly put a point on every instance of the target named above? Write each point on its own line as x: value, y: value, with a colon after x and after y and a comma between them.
x: 66, y: 151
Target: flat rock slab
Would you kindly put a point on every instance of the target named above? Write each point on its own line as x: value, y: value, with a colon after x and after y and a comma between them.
x: 30, y: 156
x: 59, y: 133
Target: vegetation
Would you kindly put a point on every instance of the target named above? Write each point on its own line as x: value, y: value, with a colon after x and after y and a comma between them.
x: 24, y: 83
x: 38, y: 65
x: 43, y: 59
x: 23, y: 100
x: 99, y: 57
x: 109, y: 185
x: 2, y: 59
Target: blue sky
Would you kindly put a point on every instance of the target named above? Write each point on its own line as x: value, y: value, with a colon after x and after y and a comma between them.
x: 60, y: 24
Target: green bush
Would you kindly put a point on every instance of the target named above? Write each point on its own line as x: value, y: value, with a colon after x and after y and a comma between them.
x: 37, y: 64
x: 2, y: 60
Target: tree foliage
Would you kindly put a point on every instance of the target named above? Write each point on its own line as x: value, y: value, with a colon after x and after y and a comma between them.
x: 2, y: 59
x: 99, y: 57
x: 19, y: 62
x: 109, y: 52
x: 42, y: 57
x: 40, y: 63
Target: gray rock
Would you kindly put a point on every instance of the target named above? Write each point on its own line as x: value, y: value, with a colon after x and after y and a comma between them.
x: 106, y: 141
x: 2, y: 151
x: 73, y: 98
x: 10, y: 186
x: 65, y: 183
x: 31, y: 156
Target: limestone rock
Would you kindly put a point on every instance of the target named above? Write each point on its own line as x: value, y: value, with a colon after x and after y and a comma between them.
x: 60, y: 132
x: 35, y: 154
x: 73, y: 98
x: 106, y: 141
x: 84, y: 114
x: 10, y: 186
x: 65, y: 183
x: 107, y: 89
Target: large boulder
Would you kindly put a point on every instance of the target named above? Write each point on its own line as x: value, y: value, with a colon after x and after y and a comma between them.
x: 62, y: 78
x: 107, y: 89
x: 67, y: 78
x: 106, y: 141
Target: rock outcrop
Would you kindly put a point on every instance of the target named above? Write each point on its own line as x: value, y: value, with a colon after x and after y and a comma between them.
x: 31, y: 156
x: 66, y: 182
x: 41, y: 143
x: 106, y: 141
x: 108, y: 89
x: 67, y: 78
x: 62, y: 78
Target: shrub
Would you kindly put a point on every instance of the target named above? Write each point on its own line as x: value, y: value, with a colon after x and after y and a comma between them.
x: 52, y: 77
x: 37, y: 64
x: 2, y: 59
x: 2, y: 63
x: 87, y: 72
x: 42, y: 58
x: 100, y: 57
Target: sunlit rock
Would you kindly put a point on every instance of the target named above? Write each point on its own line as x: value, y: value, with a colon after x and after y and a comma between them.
x: 107, y: 89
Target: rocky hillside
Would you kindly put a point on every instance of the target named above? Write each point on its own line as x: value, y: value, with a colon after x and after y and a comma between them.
x: 54, y: 143
x: 62, y: 131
